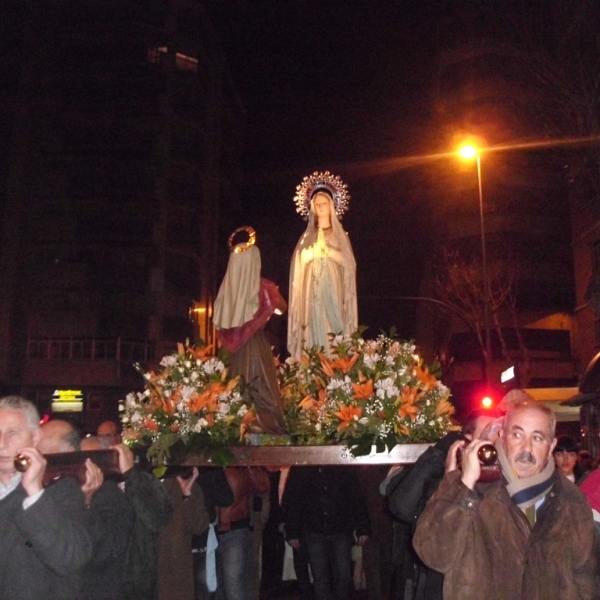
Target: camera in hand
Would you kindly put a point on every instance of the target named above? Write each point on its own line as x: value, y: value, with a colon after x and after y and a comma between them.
x: 487, y: 455
x: 488, y: 459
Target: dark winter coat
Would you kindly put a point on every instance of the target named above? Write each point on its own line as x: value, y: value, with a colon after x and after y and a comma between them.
x: 43, y: 549
x: 326, y: 500
x: 153, y: 511
x: 483, y: 544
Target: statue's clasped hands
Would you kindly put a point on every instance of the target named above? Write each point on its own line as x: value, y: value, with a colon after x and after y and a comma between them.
x: 319, y: 249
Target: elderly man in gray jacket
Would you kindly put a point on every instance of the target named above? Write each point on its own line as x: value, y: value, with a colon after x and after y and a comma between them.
x: 44, y: 541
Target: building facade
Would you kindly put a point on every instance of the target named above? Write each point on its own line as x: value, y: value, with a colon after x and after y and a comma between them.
x: 120, y: 154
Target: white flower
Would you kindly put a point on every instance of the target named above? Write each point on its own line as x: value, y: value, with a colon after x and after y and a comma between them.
x: 242, y: 411
x: 125, y: 419
x: 187, y: 364
x: 363, y: 421
x: 194, y: 375
x: 168, y: 361
x: 121, y: 407
x: 200, y: 424
x: 187, y: 391
x: 213, y: 365
x: 223, y: 408
x: 441, y: 388
x: 371, y: 360
x: 388, y: 387
x: 136, y: 418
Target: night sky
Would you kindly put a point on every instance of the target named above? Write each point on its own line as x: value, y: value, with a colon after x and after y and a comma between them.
x: 343, y: 86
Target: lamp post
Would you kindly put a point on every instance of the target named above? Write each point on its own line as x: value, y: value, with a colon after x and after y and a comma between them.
x: 468, y: 152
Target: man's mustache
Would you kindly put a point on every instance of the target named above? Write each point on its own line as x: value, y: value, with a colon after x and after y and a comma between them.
x: 525, y: 457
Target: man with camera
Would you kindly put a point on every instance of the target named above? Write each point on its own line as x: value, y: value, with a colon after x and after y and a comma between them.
x: 527, y: 535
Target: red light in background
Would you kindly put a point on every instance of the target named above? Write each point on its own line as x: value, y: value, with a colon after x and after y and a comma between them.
x: 487, y: 402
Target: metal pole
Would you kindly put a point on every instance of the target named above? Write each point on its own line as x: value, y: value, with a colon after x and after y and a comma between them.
x: 486, y: 288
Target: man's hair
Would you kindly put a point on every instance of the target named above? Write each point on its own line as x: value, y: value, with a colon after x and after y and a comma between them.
x: 73, y: 438
x: 526, y: 405
x: 469, y: 424
x: 26, y: 406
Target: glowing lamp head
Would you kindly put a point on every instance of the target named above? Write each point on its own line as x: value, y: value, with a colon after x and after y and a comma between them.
x: 468, y: 152
x: 487, y: 402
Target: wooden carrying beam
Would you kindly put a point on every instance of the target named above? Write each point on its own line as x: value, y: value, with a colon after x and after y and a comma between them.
x: 273, y: 456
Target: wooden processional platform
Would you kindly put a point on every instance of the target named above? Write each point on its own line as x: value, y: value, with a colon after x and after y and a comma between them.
x: 273, y: 456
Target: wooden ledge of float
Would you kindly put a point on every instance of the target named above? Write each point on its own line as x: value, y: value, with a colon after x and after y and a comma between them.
x: 272, y: 456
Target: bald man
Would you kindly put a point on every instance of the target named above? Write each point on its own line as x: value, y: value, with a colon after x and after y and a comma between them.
x: 108, y: 434
x: 110, y: 518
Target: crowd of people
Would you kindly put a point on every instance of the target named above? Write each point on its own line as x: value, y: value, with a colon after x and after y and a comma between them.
x: 443, y: 528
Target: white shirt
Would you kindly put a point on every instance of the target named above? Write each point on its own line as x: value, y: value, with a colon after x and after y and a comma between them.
x: 12, y: 485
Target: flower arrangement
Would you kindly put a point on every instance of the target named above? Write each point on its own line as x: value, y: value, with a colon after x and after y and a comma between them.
x: 367, y: 393
x: 191, y: 405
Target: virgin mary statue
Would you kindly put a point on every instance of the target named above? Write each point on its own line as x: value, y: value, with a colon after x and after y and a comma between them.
x: 323, y: 270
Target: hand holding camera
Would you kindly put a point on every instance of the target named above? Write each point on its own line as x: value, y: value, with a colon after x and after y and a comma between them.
x: 478, y: 461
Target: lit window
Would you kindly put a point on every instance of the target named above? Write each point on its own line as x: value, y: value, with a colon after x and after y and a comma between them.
x: 157, y: 56
x: 183, y: 62
x: 186, y: 63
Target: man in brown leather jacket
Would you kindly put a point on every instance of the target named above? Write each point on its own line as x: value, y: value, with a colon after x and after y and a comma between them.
x: 234, y: 553
x: 528, y: 536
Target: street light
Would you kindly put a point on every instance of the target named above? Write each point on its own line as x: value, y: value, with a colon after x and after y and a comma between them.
x: 469, y: 152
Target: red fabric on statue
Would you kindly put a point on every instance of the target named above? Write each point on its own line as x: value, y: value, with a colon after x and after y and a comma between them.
x: 233, y: 339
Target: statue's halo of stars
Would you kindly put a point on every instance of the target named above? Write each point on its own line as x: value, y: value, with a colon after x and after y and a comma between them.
x: 321, y: 181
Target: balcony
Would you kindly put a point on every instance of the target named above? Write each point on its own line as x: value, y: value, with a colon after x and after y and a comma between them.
x: 85, y: 361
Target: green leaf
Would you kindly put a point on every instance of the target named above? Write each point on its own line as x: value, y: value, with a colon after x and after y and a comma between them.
x: 159, y: 472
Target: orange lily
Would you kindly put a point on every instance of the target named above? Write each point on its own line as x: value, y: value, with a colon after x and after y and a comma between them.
x: 151, y: 424
x: 232, y: 383
x: 425, y: 377
x: 401, y: 429
x: 207, y: 399
x: 326, y: 364
x: 169, y: 405
x: 444, y: 407
x: 363, y: 391
x: 345, y: 363
x: 308, y: 403
x: 407, y: 400
x: 201, y: 353
x: 347, y: 414
x: 245, y: 426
